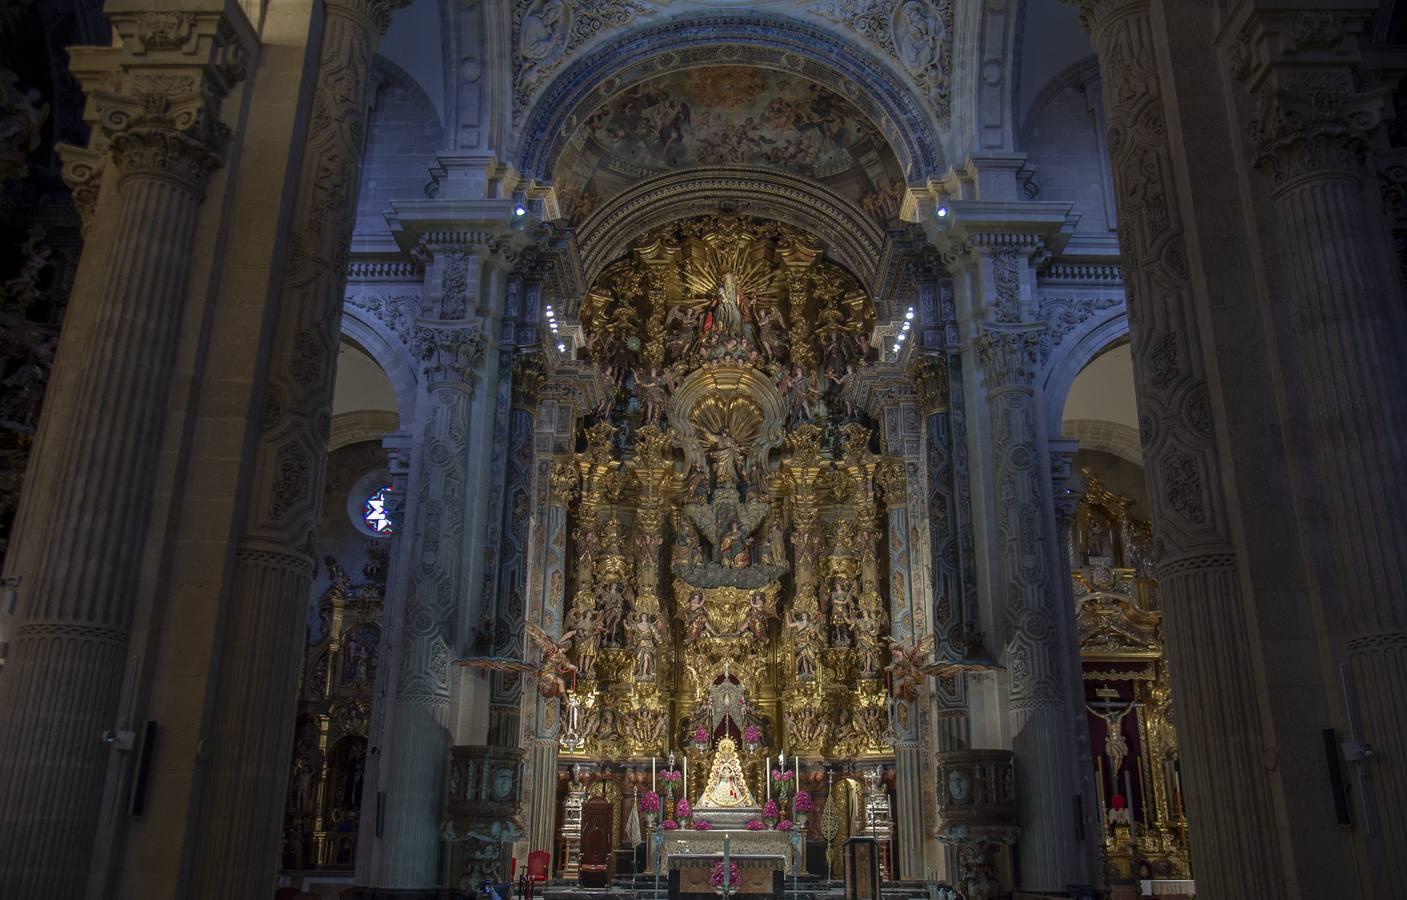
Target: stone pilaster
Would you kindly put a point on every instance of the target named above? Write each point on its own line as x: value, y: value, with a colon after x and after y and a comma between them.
x: 1308, y: 135
x: 529, y: 374
x: 157, y: 130
x: 441, y: 482
x: 1222, y: 723
x: 931, y: 377
x: 1036, y: 656
x: 251, y: 734
x: 542, y: 763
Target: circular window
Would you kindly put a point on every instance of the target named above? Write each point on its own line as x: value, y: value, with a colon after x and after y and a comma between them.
x: 369, y: 505
x: 375, y: 513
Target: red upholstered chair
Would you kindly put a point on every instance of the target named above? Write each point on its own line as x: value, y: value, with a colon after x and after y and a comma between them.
x: 537, y: 865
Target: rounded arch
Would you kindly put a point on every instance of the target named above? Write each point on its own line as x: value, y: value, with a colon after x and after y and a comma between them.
x: 764, y: 41
x: 851, y: 237
x: 366, y: 334
x: 1114, y: 438
x: 1071, y: 358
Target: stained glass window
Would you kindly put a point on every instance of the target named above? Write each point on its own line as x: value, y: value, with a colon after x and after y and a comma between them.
x: 375, y: 513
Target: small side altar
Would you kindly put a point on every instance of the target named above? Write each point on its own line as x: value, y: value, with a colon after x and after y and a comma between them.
x: 759, y: 875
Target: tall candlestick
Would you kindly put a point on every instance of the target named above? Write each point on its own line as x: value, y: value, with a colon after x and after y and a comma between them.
x: 652, y: 773
x: 767, y: 776
x: 725, y: 865
x: 686, y: 775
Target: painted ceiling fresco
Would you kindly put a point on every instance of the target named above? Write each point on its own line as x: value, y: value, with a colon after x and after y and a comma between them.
x: 728, y: 115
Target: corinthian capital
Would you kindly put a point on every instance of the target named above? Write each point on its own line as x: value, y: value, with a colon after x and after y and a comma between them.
x: 1009, y: 357
x: 375, y: 14
x: 155, y: 98
x: 1310, y: 116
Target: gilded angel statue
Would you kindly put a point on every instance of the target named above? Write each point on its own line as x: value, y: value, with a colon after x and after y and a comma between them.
x: 909, y: 664
x: 550, y: 673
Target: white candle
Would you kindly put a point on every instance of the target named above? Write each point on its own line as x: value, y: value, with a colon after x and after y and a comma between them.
x: 652, y: 773
x: 686, y: 775
x: 767, y: 776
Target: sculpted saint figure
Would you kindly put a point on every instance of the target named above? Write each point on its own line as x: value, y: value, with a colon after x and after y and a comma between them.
x: 918, y: 34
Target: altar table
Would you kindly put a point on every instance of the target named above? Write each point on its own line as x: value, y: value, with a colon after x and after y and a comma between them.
x: 760, y: 875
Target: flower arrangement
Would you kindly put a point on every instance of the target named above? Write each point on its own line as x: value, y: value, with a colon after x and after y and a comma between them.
x: 650, y: 802
x: 682, y: 809
x: 702, y: 824
x: 801, y: 802
x: 671, y: 780
x: 784, y: 825
x: 769, y: 810
x: 669, y: 825
x: 752, y: 734
x: 701, y: 738
x: 756, y: 825
x: 716, y: 877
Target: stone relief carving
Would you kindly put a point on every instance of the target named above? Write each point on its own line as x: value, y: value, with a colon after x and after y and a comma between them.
x: 22, y: 113
x: 915, y: 33
x: 547, y: 32
x: 1063, y: 315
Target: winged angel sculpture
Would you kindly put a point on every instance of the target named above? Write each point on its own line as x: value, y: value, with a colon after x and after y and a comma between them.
x: 910, y: 664
x: 550, y: 673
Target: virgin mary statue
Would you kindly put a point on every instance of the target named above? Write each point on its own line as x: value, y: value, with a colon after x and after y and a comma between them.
x: 727, y: 308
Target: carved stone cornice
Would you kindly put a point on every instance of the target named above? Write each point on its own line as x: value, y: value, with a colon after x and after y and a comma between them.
x: 1009, y: 357
x: 1310, y: 119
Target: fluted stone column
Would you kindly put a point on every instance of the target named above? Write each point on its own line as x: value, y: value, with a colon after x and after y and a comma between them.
x: 1036, y: 656
x: 244, y: 788
x: 1308, y: 139
x: 88, y: 507
x: 1221, y: 723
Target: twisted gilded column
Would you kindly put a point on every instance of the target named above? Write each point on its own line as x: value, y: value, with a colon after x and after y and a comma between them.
x: 1222, y: 723
x: 1308, y: 137
x: 1037, y: 661
x: 251, y: 732
x: 88, y: 503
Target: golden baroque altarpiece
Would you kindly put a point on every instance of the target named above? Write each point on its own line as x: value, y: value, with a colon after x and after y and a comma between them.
x: 728, y: 567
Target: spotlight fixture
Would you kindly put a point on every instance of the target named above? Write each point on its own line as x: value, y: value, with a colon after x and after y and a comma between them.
x: 910, y: 314
x: 520, y: 210
x: 562, y: 347
x: 942, y: 212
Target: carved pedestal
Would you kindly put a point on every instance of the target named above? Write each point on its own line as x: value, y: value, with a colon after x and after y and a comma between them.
x: 976, y: 802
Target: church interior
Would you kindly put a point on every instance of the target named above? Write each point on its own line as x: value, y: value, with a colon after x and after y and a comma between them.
x: 644, y: 449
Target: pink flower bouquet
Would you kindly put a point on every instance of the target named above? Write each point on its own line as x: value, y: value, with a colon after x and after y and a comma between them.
x: 682, y: 809
x: 702, y: 824
x: 734, y: 875
x: 802, y: 802
x: 669, y: 825
x: 650, y: 802
x: 769, y: 809
x: 752, y: 734
x: 784, y: 825
x: 756, y: 825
